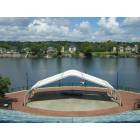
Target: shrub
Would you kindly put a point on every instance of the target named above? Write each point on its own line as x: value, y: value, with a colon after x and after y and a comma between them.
x: 4, y: 85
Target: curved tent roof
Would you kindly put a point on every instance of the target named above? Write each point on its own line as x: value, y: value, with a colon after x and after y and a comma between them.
x: 69, y: 73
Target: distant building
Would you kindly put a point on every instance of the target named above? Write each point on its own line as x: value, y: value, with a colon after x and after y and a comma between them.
x: 121, y: 49
x: 135, y: 49
x: 138, y: 49
x: 12, y: 51
x: 72, y: 49
x: 114, y: 49
x: 26, y: 50
x: 62, y: 49
x: 128, y: 49
x: 2, y: 50
x: 51, y: 50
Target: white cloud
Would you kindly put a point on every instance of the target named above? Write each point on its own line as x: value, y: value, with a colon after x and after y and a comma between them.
x: 9, y: 33
x: 48, y: 25
x: 15, y: 21
x: 131, y: 21
x: 82, y: 32
x: 38, y: 26
x: 49, y: 28
x: 85, y: 27
x: 132, y: 26
x: 109, y: 29
x: 60, y: 31
x: 109, y: 26
x: 42, y: 29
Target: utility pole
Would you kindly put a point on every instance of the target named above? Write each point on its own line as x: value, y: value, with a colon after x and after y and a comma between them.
x: 27, y: 81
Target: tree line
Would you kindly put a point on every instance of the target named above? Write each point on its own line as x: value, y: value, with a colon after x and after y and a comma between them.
x: 37, y: 48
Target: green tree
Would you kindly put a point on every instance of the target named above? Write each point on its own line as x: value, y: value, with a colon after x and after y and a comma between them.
x: 4, y: 85
x: 37, y: 49
x: 109, y: 45
x: 86, y: 48
x: 59, y: 51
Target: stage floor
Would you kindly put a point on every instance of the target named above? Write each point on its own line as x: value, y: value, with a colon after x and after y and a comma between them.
x: 72, y: 104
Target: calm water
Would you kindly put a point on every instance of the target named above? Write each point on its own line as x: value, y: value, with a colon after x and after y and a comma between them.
x: 106, y: 68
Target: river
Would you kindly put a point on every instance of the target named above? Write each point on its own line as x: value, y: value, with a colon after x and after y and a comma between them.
x: 23, y: 71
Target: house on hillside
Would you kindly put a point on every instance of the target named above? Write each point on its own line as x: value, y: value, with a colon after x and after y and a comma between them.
x: 128, y: 49
x: 135, y: 49
x: 72, y: 49
x: 2, y: 50
x: 121, y: 49
x: 114, y: 49
x: 25, y: 50
x: 51, y: 51
x: 62, y: 49
x: 12, y: 51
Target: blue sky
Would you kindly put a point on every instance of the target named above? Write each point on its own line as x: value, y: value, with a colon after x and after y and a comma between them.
x: 70, y: 28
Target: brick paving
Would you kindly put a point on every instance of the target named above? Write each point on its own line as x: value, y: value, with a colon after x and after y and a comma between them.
x: 128, y: 100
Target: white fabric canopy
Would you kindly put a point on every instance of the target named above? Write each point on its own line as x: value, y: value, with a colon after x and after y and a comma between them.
x: 69, y: 73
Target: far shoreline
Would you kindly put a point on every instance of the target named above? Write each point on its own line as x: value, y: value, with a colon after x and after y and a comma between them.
x: 93, y: 56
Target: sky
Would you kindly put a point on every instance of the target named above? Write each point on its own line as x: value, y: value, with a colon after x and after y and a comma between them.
x: 70, y: 29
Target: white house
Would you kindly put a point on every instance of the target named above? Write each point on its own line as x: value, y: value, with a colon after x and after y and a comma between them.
x: 51, y: 50
x: 26, y: 50
x: 2, y: 50
x: 72, y: 49
x: 121, y: 49
x: 62, y: 49
x: 135, y: 49
x: 128, y: 49
x: 114, y: 49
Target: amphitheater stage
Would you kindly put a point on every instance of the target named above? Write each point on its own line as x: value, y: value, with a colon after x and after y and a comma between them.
x: 88, y: 101
x: 72, y: 102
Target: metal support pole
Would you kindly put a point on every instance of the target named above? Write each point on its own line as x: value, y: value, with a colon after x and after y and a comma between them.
x: 117, y: 80
x: 27, y: 81
x: 59, y: 83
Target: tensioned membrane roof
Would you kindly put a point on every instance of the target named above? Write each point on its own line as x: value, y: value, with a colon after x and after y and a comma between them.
x: 70, y: 73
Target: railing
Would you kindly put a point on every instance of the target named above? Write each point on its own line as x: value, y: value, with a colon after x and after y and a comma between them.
x: 128, y: 88
x: 119, y: 88
x: 18, y: 88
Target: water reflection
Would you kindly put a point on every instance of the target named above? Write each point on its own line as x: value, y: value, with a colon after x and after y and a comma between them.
x: 87, y: 64
x: 59, y: 65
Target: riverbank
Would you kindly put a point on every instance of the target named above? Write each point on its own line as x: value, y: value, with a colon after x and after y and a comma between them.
x: 114, y: 55
x: 94, y: 54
